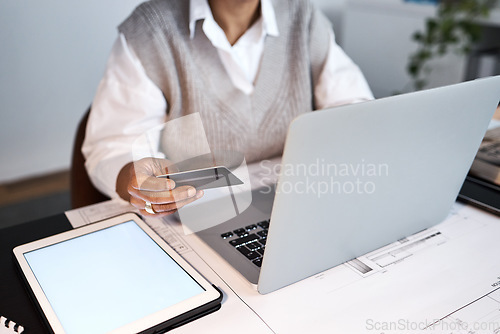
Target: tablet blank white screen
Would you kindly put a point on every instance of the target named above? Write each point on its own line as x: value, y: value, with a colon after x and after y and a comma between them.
x: 103, y: 280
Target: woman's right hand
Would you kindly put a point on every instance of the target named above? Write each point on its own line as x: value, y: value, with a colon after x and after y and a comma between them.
x: 138, y: 184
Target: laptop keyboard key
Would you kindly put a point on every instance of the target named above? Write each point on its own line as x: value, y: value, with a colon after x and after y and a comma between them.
x: 241, y: 232
x: 244, y: 240
x: 253, y: 245
x: 262, y: 234
x: 251, y: 227
x: 257, y: 262
x: 227, y: 235
x: 264, y: 224
x: 248, y: 253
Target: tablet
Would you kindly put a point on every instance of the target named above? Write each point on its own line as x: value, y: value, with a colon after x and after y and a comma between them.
x: 114, y: 276
x: 204, y: 178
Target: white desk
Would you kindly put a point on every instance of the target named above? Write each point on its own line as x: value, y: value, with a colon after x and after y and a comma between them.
x: 414, y: 282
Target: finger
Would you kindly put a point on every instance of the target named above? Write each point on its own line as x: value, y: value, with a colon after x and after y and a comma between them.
x: 160, y: 208
x: 164, y: 197
x: 152, y: 183
x: 141, y: 205
x: 155, y: 166
x: 163, y: 209
x: 156, y: 215
x: 171, y: 168
x: 165, y: 166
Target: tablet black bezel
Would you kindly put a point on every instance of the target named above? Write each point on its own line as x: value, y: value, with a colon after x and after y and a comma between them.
x: 53, y: 324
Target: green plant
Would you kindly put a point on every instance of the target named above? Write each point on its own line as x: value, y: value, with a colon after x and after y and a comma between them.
x: 454, y: 27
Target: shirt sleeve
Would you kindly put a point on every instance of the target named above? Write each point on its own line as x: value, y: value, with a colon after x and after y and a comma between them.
x: 340, y: 81
x: 126, y: 105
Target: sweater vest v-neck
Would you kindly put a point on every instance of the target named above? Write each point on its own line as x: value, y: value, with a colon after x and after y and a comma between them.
x: 192, y: 78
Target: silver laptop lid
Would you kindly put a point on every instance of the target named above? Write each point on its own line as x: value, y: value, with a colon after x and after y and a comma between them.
x: 358, y: 177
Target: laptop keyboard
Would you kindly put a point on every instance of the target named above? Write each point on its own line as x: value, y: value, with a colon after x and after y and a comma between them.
x: 249, y: 240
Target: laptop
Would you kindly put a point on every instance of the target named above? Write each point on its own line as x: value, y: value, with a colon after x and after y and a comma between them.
x: 355, y: 178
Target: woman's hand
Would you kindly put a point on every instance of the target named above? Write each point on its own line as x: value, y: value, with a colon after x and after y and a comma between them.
x: 138, y: 184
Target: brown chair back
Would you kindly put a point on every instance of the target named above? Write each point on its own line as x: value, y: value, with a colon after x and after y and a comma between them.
x: 82, y: 190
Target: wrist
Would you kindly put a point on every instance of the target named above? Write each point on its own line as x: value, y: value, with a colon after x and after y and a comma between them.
x: 123, y: 180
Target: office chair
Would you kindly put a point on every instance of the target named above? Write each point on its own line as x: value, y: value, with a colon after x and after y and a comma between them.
x: 82, y: 190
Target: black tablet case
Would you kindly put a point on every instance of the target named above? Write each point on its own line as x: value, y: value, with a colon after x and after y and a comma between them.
x: 481, y: 193
x: 20, y: 300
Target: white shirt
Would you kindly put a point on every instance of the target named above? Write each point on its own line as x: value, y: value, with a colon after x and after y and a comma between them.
x: 128, y: 103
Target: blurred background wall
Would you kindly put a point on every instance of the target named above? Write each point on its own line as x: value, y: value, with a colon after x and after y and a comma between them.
x: 52, y: 55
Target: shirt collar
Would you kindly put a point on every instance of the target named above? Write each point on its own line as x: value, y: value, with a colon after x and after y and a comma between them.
x: 200, y: 10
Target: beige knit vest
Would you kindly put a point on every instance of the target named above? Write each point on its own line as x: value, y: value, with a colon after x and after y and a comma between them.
x: 192, y: 78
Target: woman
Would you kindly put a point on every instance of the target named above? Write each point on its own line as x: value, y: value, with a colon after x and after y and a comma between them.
x: 248, y: 67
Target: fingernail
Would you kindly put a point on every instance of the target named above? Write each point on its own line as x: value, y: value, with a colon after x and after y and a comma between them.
x: 191, y: 192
